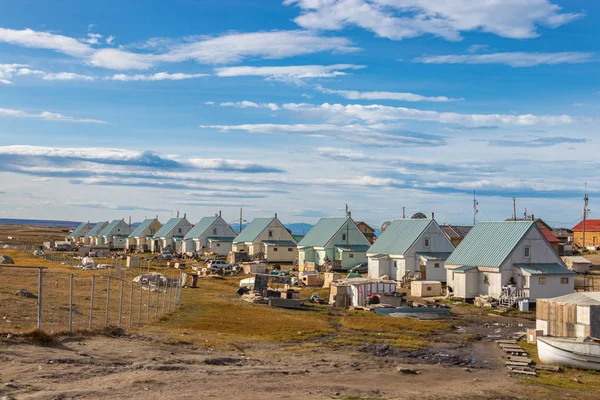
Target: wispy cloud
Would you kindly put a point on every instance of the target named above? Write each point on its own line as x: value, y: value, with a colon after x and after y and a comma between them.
x: 375, y: 113
x: 289, y: 71
x: 46, y: 115
x: 67, y: 76
x: 368, y: 135
x: 223, y: 49
x: 536, y: 142
x: 513, y: 59
x: 113, y: 206
x: 249, y: 104
x: 405, y: 19
x: 159, y: 76
x: 411, y: 97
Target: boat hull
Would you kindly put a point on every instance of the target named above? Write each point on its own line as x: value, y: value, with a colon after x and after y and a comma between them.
x: 569, y: 353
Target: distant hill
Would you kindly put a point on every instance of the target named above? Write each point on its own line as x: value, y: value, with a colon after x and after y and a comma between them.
x: 39, y: 222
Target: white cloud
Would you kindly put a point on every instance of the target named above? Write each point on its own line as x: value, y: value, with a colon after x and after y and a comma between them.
x: 249, y: 104
x: 402, y: 19
x: 7, y: 71
x: 160, y: 76
x: 475, y: 48
x: 45, y: 40
x: 92, y: 39
x: 110, y: 39
x: 514, y: 59
x: 289, y: 72
x: 46, y: 115
x: 412, y: 97
x: 67, y: 76
x: 378, y: 113
x: 370, y: 135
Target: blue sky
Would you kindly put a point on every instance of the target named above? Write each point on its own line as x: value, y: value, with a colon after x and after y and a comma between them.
x: 297, y: 107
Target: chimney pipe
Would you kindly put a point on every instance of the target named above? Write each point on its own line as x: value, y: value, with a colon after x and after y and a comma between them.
x: 432, y: 215
x: 275, y: 215
x: 184, y: 215
x: 219, y: 213
x: 532, y: 217
x: 177, y: 213
x: 130, y: 221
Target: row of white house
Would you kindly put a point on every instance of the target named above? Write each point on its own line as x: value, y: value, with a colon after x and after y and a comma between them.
x: 492, y: 257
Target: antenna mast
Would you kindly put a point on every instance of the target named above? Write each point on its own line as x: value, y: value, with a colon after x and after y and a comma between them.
x: 475, y: 209
x: 585, y: 212
x: 514, y: 209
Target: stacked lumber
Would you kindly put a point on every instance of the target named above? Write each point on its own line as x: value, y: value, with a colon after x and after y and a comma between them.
x: 517, y: 360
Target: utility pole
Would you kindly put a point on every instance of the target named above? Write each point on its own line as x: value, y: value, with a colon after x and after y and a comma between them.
x: 403, y: 212
x: 585, y: 211
x: 475, y: 210
x: 514, y: 209
x: 241, y: 219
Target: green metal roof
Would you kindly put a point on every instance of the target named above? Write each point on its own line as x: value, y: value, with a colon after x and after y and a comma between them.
x: 106, y: 231
x: 139, y: 230
x: 168, y: 227
x: 78, y: 230
x: 220, y: 239
x: 200, y: 227
x: 488, y: 244
x: 322, y: 232
x: 352, y: 247
x: 545, y: 269
x: 253, y: 229
x: 399, y: 236
x: 279, y: 243
x: 432, y: 256
x: 463, y: 268
x: 96, y: 229
x: 297, y: 238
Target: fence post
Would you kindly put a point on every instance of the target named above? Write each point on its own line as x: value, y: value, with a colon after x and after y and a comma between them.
x: 170, y: 295
x: 92, y: 301
x: 157, y: 296
x: 130, y: 303
x: 165, y: 294
x: 107, y: 302
x: 148, y: 304
x: 180, y: 287
x: 71, y: 303
x: 121, y: 303
x: 40, y: 301
x: 140, y: 310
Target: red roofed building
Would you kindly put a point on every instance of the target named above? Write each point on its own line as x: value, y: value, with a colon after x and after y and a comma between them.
x: 592, y: 233
x: 553, y: 240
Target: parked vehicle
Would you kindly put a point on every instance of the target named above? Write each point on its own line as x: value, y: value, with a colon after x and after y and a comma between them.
x: 165, y: 255
x: 361, y: 268
x: 218, y: 265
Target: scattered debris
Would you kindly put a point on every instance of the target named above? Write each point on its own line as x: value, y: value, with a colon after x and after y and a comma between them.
x: 155, y: 282
x: 407, y: 371
x: 25, y: 293
x: 6, y: 260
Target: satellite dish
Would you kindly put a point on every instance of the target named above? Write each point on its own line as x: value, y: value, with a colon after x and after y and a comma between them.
x: 419, y: 216
x: 385, y: 225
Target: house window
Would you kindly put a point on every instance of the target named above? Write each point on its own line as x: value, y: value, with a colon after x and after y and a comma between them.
x: 527, y: 252
x: 218, y: 244
x: 275, y: 249
x: 214, y: 231
x: 351, y: 255
x: 564, y: 281
x: 290, y: 249
x: 436, y: 265
x: 343, y: 236
x: 179, y: 230
x: 486, y: 279
x: 270, y: 233
x: 152, y: 231
x: 542, y: 281
x: 429, y: 288
x: 427, y: 242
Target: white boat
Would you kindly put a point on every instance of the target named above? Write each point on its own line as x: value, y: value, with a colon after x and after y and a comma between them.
x: 575, y: 353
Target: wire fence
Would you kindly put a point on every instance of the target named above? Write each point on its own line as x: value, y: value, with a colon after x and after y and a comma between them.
x: 59, y: 301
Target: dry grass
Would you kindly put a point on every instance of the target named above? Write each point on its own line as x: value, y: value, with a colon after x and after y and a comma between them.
x: 569, y: 378
x: 31, y: 234
x: 365, y: 321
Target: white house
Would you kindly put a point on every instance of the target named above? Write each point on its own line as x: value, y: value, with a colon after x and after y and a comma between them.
x: 90, y: 237
x: 79, y: 233
x: 114, y: 235
x: 338, y: 240
x: 267, y: 236
x: 409, y: 247
x: 508, y: 259
x: 141, y: 237
x: 212, y: 234
x: 170, y: 236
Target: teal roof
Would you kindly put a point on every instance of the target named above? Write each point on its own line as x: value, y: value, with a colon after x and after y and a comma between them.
x: 254, y: 228
x: 322, y: 232
x: 220, y: 239
x: 399, y: 236
x: 279, y: 243
x: 96, y: 229
x: 488, y: 244
x: 545, y: 269
x: 106, y: 231
x: 200, y: 227
x: 463, y: 268
x: 297, y: 238
x: 168, y: 227
x: 352, y: 247
x: 141, y: 228
x: 432, y: 256
x: 78, y: 230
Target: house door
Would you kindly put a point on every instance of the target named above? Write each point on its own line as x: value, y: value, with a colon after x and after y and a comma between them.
x: 423, y: 271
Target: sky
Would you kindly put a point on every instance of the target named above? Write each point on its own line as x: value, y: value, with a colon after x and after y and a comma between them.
x: 298, y: 107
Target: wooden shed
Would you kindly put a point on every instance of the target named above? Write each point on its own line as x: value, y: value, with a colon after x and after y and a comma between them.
x: 575, y: 315
x: 425, y: 288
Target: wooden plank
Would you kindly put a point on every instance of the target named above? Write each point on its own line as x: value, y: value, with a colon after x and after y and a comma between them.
x: 552, y: 368
x: 507, y: 341
x: 516, y: 364
x: 520, y: 359
x: 523, y: 372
